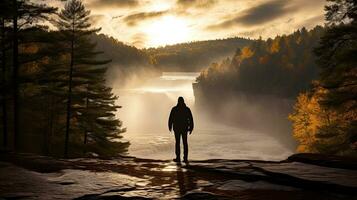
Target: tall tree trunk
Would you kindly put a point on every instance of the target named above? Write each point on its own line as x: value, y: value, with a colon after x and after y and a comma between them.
x: 15, y: 78
x: 3, y: 64
x: 85, y: 129
x: 69, y: 102
x: 51, y: 120
x: 46, y: 132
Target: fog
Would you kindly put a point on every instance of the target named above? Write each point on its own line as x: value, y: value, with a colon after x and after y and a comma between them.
x: 146, y: 104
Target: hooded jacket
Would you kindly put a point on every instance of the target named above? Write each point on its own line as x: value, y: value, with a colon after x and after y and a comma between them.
x: 181, y: 119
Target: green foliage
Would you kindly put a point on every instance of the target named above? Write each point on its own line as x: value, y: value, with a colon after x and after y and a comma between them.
x: 90, y: 104
x: 45, y: 60
x: 18, y: 18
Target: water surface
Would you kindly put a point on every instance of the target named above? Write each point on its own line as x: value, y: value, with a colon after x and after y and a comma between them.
x: 145, y: 112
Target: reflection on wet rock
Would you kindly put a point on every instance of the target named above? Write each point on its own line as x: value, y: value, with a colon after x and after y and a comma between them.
x: 134, y: 178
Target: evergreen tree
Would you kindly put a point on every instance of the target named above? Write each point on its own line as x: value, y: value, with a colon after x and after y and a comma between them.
x: 325, y: 118
x: 25, y: 15
x: 5, y: 16
x: 83, y: 68
x: 338, y: 62
x: 52, y: 81
x: 101, y: 128
x: 282, y: 66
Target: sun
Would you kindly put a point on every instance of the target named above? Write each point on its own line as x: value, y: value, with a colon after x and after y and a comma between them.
x: 167, y: 30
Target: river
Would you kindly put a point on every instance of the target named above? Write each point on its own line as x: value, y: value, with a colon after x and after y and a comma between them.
x: 145, y: 110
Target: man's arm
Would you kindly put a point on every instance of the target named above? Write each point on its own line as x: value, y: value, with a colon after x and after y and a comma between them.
x: 190, y: 118
x: 170, y: 123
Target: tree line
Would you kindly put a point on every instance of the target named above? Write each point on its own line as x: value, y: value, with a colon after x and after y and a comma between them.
x: 256, y: 87
x: 54, y: 97
x: 318, y: 67
x: 194, y: 56
x: 282, y: 66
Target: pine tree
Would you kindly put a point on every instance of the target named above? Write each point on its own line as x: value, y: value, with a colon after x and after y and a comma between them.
x: 5, y: 16
x: 52, y: 81
x: 75, y: 29
x: 25, y: 16
x: 101, y: 128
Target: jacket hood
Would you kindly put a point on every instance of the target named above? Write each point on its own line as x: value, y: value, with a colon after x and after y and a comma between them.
x: 181, y: 102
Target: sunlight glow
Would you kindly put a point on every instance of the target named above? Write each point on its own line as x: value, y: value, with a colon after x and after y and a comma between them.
x: 167, y: 30
x: 173, y: 76
x: 161, y: 6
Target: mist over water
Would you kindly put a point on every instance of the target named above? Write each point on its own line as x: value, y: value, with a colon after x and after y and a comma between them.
x: 145, y: 110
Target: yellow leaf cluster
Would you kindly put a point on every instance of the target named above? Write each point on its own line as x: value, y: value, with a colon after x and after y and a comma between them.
x: 246, y: 53
x: 275, y: 46
x: 308, y: 117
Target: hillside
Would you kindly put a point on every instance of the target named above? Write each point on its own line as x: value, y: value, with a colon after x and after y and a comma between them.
x: 258, y: 85
x: 282, y: 66
x: 120, y: 53
x: 194, y: 56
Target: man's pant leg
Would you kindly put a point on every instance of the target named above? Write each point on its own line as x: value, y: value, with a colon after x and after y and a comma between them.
x: 185, y: 145
x: 177, y: 144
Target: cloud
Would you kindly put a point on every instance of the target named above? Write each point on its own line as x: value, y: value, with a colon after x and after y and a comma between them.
x: 113, y: 3
x: 257, y: 15
x: 139, y: 40
x: 133, y: 19
x: 313, y: 21
x: 96, y: 19
x: 195, y: 3
x: 128, y: 20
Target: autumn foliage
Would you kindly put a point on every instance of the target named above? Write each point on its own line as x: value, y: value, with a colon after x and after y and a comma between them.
x: 325, y: 118
x: 316, y: 128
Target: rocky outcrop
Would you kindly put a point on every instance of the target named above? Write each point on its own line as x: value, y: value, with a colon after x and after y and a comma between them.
x: 301, y: 176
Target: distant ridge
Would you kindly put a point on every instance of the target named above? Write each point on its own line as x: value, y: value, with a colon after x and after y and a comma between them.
x: 184, y: 57
x: 195, y: 56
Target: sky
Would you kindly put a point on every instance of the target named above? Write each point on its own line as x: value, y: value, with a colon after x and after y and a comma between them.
x: 153, y: 23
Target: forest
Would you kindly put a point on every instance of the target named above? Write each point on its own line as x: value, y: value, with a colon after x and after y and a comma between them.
x: 86, y: 114
x: 54, y: 95
x: 315, y: 67
x: 282, y: 66
x: 194, y: 56
x: 325, y: 116
x: 189, y: 57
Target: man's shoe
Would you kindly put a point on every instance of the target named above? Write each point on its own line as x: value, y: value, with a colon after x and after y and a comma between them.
x: 176, y: 160
x: 185, y: 159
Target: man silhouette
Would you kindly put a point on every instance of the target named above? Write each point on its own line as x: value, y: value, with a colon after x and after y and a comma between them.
x: 181, y: 122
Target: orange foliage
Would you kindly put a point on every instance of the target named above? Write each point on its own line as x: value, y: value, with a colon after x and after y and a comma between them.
x: 246, y: 53
x: 308, y: 118
x: 29, y: 48
x: 264, y: 59
x: 275, y: 46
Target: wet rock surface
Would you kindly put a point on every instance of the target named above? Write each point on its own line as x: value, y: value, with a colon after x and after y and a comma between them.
x: 25, y: 176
